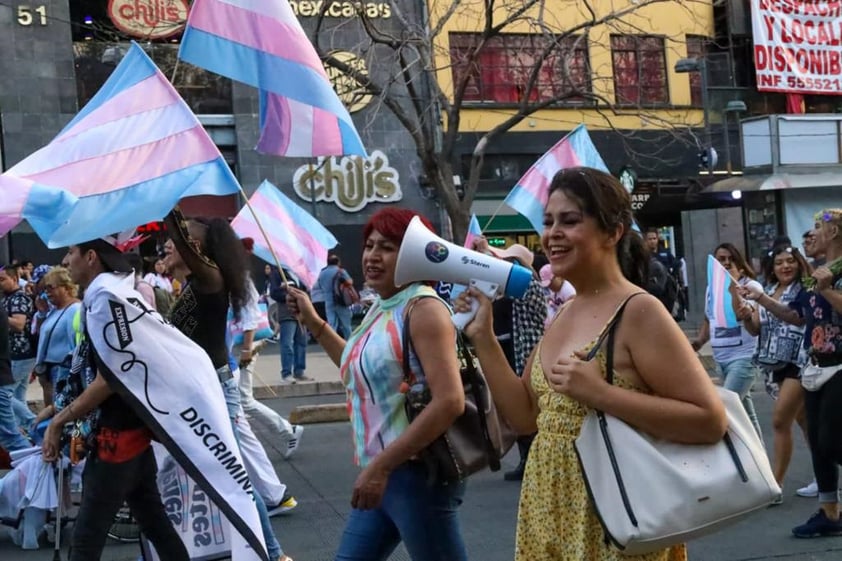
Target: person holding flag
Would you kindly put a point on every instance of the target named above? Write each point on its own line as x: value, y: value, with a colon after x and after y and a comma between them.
x: 733, y: 345
x: 211, y: 259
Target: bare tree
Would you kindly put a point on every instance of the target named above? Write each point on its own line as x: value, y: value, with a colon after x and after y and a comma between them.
x: 427, y: 82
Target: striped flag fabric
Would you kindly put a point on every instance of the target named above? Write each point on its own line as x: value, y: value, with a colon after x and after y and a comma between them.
x: 529, y: 196
x: 474, y: 231
x: 126, y: 159
x: 299, y: 240
x: 720, y: 310
x: 262, y: 44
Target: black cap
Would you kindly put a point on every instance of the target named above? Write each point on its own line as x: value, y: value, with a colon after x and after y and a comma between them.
x: 112, y: 258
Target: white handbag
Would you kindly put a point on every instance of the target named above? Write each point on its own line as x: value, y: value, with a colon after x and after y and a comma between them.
x: 813, y: 377
x: 650, y: 494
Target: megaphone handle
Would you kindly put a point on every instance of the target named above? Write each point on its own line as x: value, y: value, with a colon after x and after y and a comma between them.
x: 461, y: 319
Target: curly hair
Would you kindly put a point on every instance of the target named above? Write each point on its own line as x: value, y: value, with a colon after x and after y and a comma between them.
x: 59, y: 276
x: 603, y: 198
x: 222, y: 246
x: 804, y: 268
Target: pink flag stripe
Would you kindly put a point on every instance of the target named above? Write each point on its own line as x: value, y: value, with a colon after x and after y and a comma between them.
x: 258, y: 31
x: 539, y: 176
x: 719, y: 286
x: 284, y: 223
x: 327, y: 139
x: 276, y: 140
x: 100, y: 141
x: 15, y: 192
x: 270, y: 8
x: 286, y: 252
x: 144, y: 96
x: 129, y: 167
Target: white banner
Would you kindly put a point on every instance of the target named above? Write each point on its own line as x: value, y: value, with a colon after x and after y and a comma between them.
x: 798, y: 45
x: 170, y: 383
x: 202, y: 526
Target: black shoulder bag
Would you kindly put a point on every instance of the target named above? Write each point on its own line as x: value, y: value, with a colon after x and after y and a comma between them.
x: 477, y: 439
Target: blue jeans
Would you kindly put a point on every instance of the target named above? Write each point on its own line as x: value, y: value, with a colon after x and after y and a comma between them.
x: 738, y: 376
x: 21, y: 369
x: 293, y: 349
x: 231, y: 390
x: 10, y: 437
x: 423, y: 517
x: 339, y: 318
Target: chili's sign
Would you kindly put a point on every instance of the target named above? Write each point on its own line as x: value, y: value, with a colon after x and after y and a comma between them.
x: 350, y: 182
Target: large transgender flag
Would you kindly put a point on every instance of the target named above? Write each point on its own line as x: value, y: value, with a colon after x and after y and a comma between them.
x: 261, y: 43
x: 125, y: 160
x: 474, y: 231
x: 299, y: 240
x: 529, y: 196
x: 720, y: 309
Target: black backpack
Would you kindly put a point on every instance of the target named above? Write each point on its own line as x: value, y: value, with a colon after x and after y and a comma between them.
x: 662, y: 284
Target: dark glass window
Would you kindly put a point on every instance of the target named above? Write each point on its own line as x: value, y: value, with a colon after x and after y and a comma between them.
x: 501, y: 72
x: 696, y: 48
x: 640, y: 70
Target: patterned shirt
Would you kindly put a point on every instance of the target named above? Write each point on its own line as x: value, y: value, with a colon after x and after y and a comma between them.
x: 780, y: 343
x: 372, y: 371
x: 824, y: 324
x: 20, y: 342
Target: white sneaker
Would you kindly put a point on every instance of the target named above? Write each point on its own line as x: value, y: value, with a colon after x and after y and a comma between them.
x: 293, y: 441
x: 811, y: 490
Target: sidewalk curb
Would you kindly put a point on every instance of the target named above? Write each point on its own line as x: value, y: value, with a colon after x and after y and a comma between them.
x: 300, y: 389
x: 324, y: 413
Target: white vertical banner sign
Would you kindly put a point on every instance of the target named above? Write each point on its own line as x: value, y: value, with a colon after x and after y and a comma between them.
x: 798, y: 45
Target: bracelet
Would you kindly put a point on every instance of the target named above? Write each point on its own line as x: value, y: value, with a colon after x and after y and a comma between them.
x: 321, y: 330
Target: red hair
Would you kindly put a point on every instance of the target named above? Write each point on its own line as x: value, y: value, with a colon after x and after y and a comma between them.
x: 392, y: 223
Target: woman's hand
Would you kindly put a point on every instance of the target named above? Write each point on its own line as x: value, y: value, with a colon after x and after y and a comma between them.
x: 482, y: 324
x: 300, y: 306
x: 752, y: 290
x: 823, y: 278
x: 50, y: 445
x: 744, y: 311
x: 577, y: 378
x: 370, y: 487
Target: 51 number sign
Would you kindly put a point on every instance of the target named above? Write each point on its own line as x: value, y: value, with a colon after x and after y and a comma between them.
x: 32, y: 15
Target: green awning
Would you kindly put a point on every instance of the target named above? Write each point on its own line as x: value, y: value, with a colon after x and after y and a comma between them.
x: 505, y: 223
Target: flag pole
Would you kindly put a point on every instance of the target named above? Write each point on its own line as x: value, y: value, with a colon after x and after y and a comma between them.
x: 493, y: 216
x: 265, y: 235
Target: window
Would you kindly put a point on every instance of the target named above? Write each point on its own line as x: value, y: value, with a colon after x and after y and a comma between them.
x: 501, y: 72
x: 696, y: 49
x: 640, y: 70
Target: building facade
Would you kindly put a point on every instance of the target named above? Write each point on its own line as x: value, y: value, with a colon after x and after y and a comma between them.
x: 57, y: 53
x: 644, y: 117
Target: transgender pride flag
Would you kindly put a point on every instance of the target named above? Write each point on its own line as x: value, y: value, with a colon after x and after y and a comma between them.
x: 261, y: 43
x: 299, y: 240
x: 126, y: 159
x: 720, y: 309
x: 529, y: 196
x: 474, y: 232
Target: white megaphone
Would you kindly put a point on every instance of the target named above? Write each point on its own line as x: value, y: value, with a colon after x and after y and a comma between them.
x: 424, y: 256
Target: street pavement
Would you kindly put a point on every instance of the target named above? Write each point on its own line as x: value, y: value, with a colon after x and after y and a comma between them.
x: 321, y: 476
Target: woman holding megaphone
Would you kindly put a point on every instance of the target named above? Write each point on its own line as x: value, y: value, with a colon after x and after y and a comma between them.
x: 660, y: 387
x: 393, y: 500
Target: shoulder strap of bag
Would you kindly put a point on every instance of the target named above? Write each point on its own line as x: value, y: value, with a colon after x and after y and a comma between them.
x: 406, y: 342
x: 608, y: 333
x: 53, y: 327
x: 470, y: 375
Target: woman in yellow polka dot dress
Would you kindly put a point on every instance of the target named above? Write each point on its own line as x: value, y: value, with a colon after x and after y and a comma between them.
x: 660, y: 385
